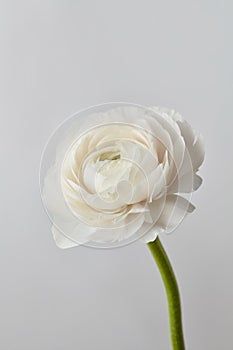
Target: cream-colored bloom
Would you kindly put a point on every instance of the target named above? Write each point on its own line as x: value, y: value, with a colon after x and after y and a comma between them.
x: 118, y: 176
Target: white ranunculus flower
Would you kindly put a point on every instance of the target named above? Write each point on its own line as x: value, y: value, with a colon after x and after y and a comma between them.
x: 118, y: 175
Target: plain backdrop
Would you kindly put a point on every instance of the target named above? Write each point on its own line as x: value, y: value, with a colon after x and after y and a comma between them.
x: 61, y: 56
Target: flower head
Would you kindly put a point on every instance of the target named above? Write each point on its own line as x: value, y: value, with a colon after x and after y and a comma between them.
x: 118, y: 175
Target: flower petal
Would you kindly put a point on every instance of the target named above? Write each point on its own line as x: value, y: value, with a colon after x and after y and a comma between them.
x: 175, y: 209
x: 62, y: 241
x: 197, y: 153
x: 151, y: 235
x: 71, y: 233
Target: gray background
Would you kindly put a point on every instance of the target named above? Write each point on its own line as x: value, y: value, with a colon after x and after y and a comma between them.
x: 56, y: 58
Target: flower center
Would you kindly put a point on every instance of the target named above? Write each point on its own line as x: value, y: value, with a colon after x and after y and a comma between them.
x: 111, y: 171
x: 109, y: 156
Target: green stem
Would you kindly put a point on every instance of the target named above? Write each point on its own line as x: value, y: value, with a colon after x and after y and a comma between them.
x: 172, y: 291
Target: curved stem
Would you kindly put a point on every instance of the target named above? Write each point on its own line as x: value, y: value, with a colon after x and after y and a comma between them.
x: 172, y: 291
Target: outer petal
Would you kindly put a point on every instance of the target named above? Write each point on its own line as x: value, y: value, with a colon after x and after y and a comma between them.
x: 71, y: 233
x: 196, y: 147
x: 62, y: 241
x: 186, y: 184
x: 52, y: 196
x: 121, y: 233
x: 197, y: 153
x: 152, y: 234
x: 186, y: 181
x: 164, y: 117
x: 175, y: 209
